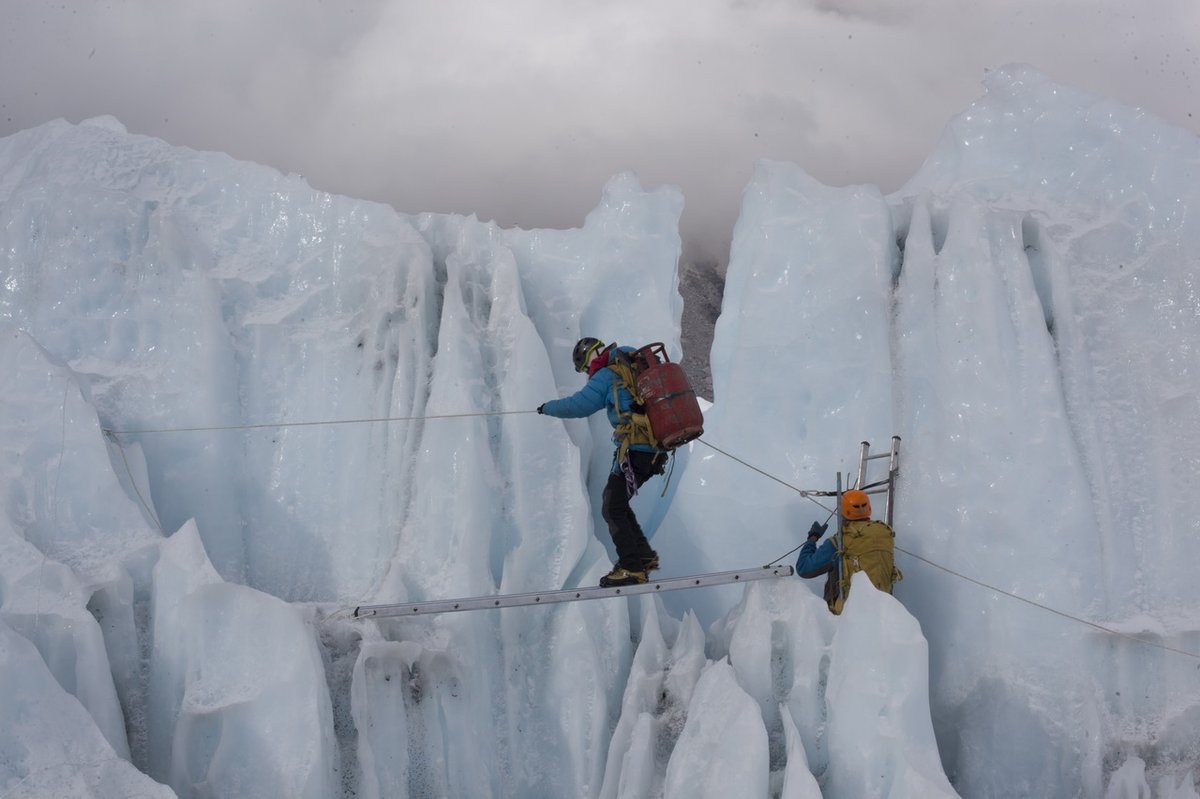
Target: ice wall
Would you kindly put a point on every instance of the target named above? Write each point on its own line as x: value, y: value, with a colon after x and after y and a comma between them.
x: 801, y: 375
x: 237, y: 701
x: 50, y: 745
x: 789, y: 689
x: 71, y: 539
x: 319, y: 401
x: 1023, y: 316
x: 1056, y: 475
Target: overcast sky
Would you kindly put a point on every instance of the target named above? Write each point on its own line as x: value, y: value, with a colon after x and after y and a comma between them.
x: 520, y: 110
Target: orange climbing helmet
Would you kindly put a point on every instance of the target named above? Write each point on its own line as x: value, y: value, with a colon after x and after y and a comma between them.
x: 856, y: 505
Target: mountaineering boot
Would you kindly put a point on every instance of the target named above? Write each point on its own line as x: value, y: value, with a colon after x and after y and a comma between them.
x: 621, y: 576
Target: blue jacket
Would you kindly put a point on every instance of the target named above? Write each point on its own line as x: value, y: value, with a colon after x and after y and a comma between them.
x: 815, y: 561
x: 595, y: 395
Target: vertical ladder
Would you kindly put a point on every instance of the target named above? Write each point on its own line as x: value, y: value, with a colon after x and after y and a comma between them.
x: 887, y: 486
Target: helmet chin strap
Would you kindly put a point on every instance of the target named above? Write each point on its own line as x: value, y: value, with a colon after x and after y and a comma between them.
x: 593, y: 363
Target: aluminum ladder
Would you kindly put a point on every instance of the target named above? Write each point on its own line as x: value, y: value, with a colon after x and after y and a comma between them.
x: 886, y: 486
x: 571, y: 594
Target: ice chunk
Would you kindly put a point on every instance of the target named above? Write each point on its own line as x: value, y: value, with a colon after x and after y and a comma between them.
x: 238, y: 699
x: 49, y: 745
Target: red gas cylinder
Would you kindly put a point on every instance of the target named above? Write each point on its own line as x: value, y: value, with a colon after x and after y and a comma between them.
x: 669, y: 400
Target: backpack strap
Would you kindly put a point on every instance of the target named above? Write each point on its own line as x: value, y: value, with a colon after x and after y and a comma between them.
x: 633, y: 426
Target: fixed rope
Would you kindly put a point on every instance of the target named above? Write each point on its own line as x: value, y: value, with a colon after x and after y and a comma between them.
x: 796, y: 548
x: 807, y: 494
x: 1055, y: 611
x: 318, y: 423
x: 150, y: 513
x: 947, y: 570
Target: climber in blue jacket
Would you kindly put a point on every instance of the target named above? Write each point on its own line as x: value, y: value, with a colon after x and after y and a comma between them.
x: 634, y: 462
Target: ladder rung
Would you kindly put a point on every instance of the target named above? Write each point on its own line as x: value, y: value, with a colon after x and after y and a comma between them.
x: 572, y: 594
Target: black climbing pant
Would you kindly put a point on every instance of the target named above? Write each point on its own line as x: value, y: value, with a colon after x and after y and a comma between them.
x: 632, y: 547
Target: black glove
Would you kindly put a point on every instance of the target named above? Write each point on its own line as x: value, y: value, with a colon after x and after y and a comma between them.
x: 817, y: 530
x: 540, y: 407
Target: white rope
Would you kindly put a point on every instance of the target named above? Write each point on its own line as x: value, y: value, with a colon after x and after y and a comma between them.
x: 262, y: 425
x: 1049, y: 609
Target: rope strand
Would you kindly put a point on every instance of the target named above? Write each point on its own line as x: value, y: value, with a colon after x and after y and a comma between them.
x: 319, y: 423
x: 802, y: 492
x: 1056, y: 612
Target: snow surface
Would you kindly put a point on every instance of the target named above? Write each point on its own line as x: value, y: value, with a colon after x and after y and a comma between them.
x: 318, y: 402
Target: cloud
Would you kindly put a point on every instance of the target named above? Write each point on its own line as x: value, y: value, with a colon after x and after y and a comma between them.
x: 520, y: 111
x: 863, y: 10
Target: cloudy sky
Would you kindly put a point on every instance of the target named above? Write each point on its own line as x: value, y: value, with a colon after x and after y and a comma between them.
x: 520, y: 110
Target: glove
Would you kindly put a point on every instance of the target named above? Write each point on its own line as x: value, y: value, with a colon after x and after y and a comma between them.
x: 817, y: 530
x: 541, y: 407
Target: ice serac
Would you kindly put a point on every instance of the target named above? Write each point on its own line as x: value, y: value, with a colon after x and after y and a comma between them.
x: 720, y: 711
x: 71, y: 539
x: 238, y: 331
x: 881, y: 740
x: 658, y: 693
x: 844, y: 701
x: 976, y: 364
x: 797, y: 782
x: 1047, y: 386
x: 801, y: 375
x: 238, y: 699
x: 777, y: 640
x: 196, y: 291
x: 49, y: 744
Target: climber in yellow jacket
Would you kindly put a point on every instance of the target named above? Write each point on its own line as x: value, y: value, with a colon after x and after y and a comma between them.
x: 866, y: 545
